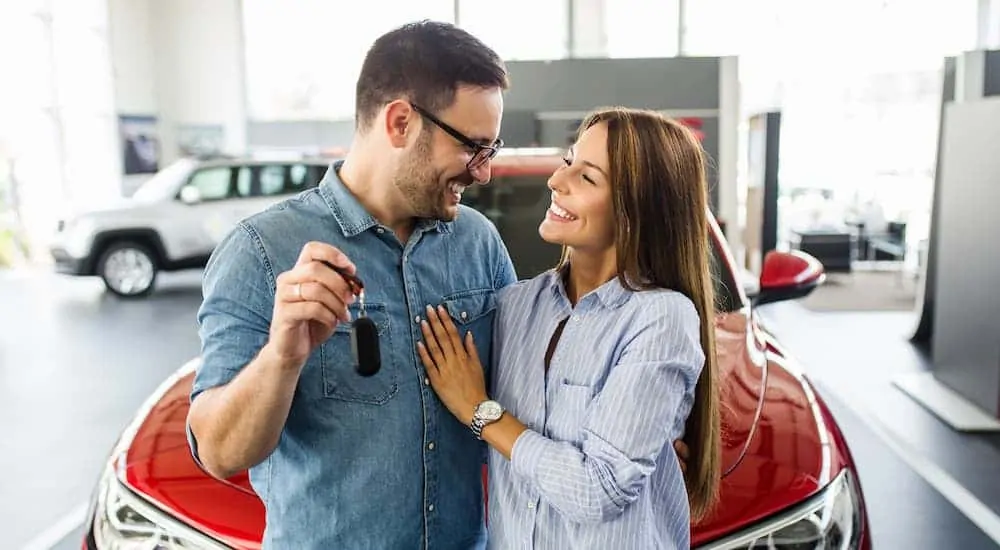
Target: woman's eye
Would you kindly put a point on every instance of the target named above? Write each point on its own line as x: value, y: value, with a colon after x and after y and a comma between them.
x: 566, y: 161
x: 589, y: 179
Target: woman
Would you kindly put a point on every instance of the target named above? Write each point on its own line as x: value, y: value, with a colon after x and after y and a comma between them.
x: 603, y: 361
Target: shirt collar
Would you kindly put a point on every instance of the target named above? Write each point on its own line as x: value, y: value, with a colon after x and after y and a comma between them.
x: 611, y: 294
x: 351, y: 216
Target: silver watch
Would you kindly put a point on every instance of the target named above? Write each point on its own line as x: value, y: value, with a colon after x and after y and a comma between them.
x: 487, y: 412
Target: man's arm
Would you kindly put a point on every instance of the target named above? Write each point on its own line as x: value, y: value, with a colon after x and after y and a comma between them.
x: 257, y: 333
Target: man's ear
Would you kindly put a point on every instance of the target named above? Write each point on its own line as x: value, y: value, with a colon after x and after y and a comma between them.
x: 401, y: 122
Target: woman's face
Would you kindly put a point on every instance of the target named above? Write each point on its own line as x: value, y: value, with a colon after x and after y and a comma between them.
x: 581, y: 215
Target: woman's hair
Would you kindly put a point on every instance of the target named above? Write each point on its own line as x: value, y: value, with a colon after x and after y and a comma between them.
x: 657, y: 172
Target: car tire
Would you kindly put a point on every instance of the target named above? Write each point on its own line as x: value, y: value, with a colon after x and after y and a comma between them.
x: 128, y: 269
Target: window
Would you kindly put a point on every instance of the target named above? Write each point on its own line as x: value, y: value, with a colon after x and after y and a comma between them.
x: 303, y: 58
x: 272, y: 180
x: 213, y: 183
x: 640, y: 28
x: 518, y: 29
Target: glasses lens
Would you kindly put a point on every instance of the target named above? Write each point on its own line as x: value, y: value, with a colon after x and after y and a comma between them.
x: 482, y: 157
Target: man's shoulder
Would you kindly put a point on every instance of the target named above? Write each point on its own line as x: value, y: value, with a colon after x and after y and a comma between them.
x: 472, y: 223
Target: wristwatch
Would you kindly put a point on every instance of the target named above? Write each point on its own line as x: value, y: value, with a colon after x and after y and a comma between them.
x: 487, y: 412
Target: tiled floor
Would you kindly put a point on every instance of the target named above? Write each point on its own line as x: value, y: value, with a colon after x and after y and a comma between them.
x: 75, y: 364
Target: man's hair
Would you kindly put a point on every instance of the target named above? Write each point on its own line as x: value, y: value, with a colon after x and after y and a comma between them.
x: 425, y: 62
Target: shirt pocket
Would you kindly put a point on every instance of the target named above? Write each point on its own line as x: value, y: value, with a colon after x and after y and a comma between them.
x: 568, y: 411
x: 473, y: 310
x: 341, y: 380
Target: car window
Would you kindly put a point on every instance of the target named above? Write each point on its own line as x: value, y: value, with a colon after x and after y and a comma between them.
x: 272, y: 179
x: 213, y: 183
x: 244, y: 179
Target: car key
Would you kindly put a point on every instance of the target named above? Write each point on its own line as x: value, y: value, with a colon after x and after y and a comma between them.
x: 364, y: 333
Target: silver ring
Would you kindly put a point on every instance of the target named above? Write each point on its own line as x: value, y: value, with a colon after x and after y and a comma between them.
x: 298, y: 291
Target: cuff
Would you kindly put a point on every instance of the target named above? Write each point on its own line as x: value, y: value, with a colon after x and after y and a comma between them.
x: 527, y: 453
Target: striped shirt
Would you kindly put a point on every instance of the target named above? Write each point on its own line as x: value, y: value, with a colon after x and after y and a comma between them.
x: 596, y: 467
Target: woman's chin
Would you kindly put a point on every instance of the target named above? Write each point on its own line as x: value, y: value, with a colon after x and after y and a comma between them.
x: 549, y: 234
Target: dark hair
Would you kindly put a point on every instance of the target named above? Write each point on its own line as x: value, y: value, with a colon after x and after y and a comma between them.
x: 659, y: 193
x: 426, y: 62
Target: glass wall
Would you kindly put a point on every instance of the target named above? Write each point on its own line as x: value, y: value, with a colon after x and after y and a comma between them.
x: 303, y: 57
x: 57, y: 116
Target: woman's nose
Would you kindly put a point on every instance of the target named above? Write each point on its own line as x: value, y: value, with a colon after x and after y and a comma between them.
x: 557, y: 183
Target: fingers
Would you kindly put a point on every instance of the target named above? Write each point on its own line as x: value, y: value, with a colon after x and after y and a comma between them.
x: 309, y: 283
x: 444, y: 339
x: 315, y: 251
x: 470, y: 348
x: 310, y: 311
x: 431, y: 345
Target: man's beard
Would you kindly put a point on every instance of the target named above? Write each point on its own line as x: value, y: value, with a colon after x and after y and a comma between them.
x: 422, y: 186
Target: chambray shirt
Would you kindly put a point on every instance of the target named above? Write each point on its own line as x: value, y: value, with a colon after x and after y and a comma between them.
x: 362, y: 462
x: 596, y: 467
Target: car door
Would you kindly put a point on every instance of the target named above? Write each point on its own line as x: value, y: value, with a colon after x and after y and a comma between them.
x: 195, y: 228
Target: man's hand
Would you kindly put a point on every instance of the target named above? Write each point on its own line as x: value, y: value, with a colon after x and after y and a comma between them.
x: 682, y: 454
x: 310, y: 300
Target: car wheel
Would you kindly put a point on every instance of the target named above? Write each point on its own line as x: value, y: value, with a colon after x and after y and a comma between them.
x: 128, y: 269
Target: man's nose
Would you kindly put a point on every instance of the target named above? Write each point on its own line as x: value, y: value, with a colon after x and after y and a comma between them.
x: 482, y: 174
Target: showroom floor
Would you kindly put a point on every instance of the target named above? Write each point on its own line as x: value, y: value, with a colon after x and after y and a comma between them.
x: 75, y: 364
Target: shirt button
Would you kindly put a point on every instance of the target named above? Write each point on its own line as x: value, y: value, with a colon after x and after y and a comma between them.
x: 430, y: 508
x: 430, y: 445
x: 427, y: 381
x: 464, y: 315
x: 380, y: 230
x: 531, y: 505
x: 416, y: 319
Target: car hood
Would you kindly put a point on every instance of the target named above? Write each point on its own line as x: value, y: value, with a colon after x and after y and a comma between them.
x: 776, y: 447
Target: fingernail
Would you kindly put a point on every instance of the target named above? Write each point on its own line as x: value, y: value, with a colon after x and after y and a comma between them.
x: 429, y: 308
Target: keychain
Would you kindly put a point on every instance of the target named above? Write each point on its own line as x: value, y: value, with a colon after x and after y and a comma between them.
x: 364, y: 333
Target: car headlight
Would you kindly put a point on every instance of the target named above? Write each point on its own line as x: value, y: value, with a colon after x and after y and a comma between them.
x: 830, y: 520
x: 124, y: 521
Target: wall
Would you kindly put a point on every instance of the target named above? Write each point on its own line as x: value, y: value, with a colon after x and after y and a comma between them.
x: 181, y: 61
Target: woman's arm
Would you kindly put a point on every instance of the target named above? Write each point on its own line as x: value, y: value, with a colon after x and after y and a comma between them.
x: 626, y: 426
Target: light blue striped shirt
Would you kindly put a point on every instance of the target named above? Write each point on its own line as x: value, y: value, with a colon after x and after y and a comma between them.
x: 596, y: 467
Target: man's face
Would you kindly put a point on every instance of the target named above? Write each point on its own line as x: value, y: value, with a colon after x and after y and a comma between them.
x: 436, y: 169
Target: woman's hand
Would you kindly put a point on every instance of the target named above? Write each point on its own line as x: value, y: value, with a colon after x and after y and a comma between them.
x: 452, y: 364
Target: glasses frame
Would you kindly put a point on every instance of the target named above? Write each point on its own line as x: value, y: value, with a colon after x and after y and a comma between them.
x: 481, y: 153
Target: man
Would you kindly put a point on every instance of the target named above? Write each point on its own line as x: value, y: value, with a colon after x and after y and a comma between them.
x: 341, y: 460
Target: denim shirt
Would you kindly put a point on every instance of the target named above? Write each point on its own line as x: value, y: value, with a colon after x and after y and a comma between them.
x: 373, y: 462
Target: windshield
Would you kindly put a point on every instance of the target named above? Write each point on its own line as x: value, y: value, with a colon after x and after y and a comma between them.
x: 165, y: 183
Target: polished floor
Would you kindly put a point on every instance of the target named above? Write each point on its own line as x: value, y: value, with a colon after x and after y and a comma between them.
x: 76, y: 363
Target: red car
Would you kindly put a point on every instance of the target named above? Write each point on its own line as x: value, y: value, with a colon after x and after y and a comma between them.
x: 789, y: 479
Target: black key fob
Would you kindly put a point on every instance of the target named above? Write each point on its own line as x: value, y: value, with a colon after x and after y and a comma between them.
x: 364, y: 344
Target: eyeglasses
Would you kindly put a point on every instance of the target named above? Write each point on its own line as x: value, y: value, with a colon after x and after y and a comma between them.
x: 481, y: 154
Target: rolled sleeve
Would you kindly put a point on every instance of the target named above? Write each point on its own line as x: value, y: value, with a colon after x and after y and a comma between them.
x: 527, y: 454
x: 235, y: 315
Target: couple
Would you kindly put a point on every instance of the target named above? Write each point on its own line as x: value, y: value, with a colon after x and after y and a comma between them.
x: 578, y: 380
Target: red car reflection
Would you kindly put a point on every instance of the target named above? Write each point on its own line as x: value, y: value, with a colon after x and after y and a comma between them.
x: 790, y: 481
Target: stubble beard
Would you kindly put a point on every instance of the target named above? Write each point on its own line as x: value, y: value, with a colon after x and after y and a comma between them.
x: 420, y: 185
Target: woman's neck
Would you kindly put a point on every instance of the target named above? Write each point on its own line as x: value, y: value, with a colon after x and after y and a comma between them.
x: 587, y: 272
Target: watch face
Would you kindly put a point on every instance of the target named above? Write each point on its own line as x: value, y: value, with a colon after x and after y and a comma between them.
x: 490, y: 410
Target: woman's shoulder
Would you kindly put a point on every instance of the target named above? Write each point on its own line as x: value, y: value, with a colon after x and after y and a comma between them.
x: 526, y: 289
x: 657, y: 301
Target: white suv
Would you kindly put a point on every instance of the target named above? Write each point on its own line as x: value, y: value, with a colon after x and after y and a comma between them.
x: 176, y: 219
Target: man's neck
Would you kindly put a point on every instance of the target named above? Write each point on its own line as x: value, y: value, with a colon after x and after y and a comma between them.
x: 371, y: 184
x: 587, y: 271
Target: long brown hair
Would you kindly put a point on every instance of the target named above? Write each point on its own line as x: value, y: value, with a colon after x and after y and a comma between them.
x: 657, y: 172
